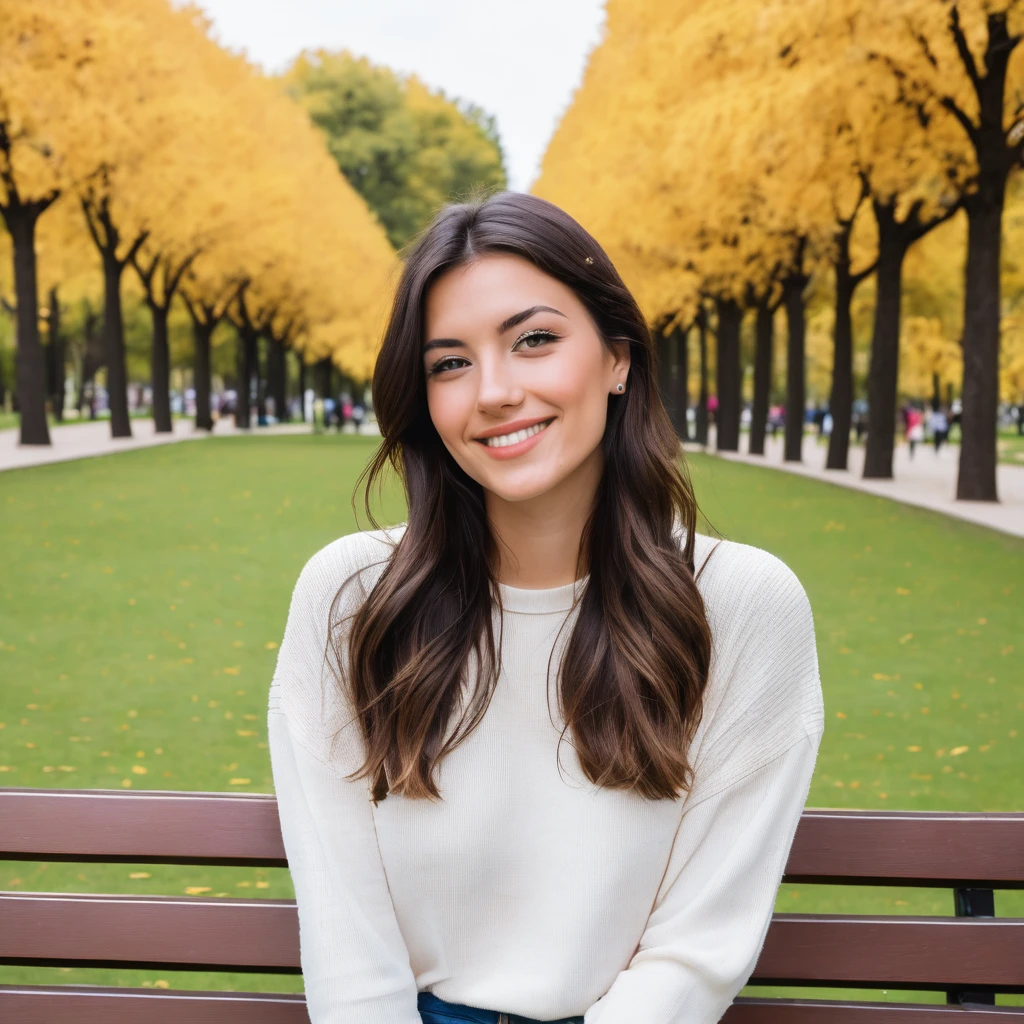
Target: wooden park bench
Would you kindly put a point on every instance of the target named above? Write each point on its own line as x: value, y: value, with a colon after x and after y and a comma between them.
x: 969, y: 955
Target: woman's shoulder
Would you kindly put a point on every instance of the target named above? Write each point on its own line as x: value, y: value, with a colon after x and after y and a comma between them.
x: 360, y: 556
x: 765, y: 687
x: 740, y: 579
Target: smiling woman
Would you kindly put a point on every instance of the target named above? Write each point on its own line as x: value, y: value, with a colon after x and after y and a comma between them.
x: 451, y: 861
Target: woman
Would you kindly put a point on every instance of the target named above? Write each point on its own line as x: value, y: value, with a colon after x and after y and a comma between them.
x: 530, y: 764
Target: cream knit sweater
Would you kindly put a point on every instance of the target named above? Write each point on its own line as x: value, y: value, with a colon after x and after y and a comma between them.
x: 527, y: 889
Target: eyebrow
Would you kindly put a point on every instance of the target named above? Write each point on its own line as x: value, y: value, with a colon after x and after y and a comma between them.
x: 506, y: 325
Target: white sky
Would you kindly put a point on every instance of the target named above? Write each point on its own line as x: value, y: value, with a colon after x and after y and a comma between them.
x: 520, y: 61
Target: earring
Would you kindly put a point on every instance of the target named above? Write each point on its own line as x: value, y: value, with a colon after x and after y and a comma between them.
x: 620, y: 388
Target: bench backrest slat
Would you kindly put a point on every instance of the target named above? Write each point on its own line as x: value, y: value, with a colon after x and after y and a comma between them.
x: 77, y: 1004
x: 839, y: 847
x: 200, y: 933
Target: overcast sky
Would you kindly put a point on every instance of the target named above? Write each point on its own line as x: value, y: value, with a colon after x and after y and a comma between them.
x: 519, y: 61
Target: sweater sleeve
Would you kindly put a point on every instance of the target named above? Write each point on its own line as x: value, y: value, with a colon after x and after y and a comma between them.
x: 704, y: 936
x: 354, y: 961
x: 753, y: 766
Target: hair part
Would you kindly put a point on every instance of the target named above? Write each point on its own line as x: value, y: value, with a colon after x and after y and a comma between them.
x: 634, y: 670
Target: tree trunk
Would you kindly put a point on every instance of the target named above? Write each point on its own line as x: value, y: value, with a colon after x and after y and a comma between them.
x: 701, y: 424
x: 277, y: 369
x: 55, y: 344
x: 160, y: 370
x: 302, y: 386
x: 764, y: 337
x: 324, y: 375
x: 665, y: 344
x: 31, y: 367
x: 976, y: 480
x: 793, y: 299
x: 92, y: 360
x: 727, y: 436
x: 260, y: 361
x: 885, y: 345
x: 681, y: 383
x: 201, y: 335
x: 248, y: 355
x: 841, y: 402
x: 114, y: 352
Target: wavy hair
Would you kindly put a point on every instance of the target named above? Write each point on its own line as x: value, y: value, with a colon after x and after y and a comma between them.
x: 634, y: 670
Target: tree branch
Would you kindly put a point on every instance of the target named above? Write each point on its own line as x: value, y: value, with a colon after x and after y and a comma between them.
x: 966, y: 57
x: 965, y: 122
x: 93, y: 230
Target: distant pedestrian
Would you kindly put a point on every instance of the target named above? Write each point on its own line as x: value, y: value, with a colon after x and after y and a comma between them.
x: 859, y: 426
x: 940, y: 427
x: 915, y: 429
x: 358, y: 414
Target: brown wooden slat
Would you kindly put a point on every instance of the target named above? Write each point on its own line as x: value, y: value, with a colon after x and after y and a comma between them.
x: 927, y: 953
x: 169, y: 932
x: 88, y: 1004
x: 909, y: 848
x: 746, y: 1010
x: 159, y: 827
x: 262, y: 935
x: 83, y: 1004
x: 841, y: 847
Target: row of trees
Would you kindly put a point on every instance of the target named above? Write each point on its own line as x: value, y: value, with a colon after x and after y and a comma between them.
x: 130, y: 139
x: 736, y: 157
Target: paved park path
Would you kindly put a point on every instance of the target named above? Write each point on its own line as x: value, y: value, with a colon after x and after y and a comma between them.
x: 927, y: 479
x: 83, y: 440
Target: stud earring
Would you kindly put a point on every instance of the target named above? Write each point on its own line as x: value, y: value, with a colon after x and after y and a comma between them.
x: 620, y: 388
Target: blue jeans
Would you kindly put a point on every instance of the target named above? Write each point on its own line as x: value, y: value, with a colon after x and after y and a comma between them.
x: 437, y: 1011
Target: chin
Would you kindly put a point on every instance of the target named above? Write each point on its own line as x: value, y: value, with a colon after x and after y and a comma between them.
x: 529, y: 485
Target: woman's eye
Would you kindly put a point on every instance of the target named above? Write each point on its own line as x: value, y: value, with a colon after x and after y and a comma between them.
x: 538, y: 336
x: 449, y: 363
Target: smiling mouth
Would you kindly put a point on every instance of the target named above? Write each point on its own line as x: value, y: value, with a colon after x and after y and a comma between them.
x: 517, y: 436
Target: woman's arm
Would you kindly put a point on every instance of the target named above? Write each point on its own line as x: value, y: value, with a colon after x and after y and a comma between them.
x: 706, y: 931
x: 354, y: 961
x: 752, y: 774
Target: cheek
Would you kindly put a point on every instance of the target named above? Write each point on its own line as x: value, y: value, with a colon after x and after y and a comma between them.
x: 450, y: 408
x: 578, y: 390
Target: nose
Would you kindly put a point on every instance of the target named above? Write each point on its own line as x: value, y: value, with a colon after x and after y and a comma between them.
x: 499, y: 388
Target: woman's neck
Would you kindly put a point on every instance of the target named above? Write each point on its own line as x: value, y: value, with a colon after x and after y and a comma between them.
x: 538, y: 539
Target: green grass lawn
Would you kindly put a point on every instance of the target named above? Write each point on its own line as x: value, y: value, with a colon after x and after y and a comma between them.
x: 1010, y: 446
x: 142, y: 596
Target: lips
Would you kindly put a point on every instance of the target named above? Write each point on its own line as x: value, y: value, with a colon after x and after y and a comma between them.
x: 516, y: 436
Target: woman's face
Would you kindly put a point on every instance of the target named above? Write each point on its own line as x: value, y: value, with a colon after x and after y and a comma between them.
x: 518, y: 378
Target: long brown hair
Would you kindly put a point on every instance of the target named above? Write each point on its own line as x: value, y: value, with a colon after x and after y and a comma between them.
x: 632, y: 678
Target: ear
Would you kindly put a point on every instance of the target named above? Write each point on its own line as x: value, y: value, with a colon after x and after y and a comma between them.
x: 621, y: 361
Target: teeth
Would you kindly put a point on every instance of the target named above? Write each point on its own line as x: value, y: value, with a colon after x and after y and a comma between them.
x: 504, y: 440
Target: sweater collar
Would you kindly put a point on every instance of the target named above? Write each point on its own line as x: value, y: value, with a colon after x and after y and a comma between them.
x: 541, y: 602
